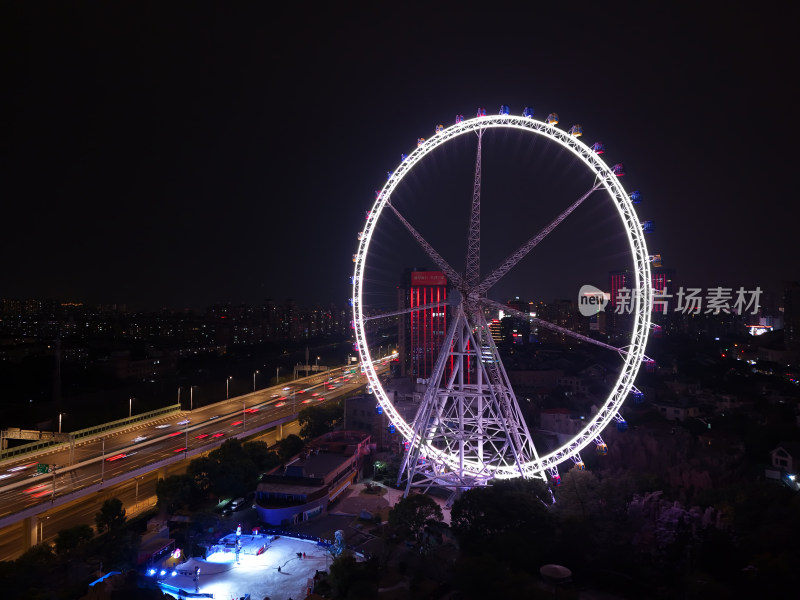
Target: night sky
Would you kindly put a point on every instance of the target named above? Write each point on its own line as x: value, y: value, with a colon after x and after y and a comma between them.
x: 178, y: 157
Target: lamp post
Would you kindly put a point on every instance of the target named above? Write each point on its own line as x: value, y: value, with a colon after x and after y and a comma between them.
x: 130, y: 407
x: 228, y: 387
x: 277, y: 375
x: 316, y: 365
x: 191, y: 398
x: 254, y: 380
x: 40, y: 528
x: 103, y: 462
x: 59, y: 422
x: 244, y: 416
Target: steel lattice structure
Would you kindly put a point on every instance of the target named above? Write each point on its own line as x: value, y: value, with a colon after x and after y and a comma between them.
x: 468, y: 432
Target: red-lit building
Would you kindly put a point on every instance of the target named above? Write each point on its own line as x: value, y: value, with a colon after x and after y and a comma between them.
x: 661, y: 280
x: 421, y: 333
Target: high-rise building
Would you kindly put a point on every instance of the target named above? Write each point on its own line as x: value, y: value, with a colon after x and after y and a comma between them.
x: 515, y: 329
x: 620, y: 280
x: 661, y: 280
x: 422, y: 332
x: 496, y: 330
x: 791, y: 315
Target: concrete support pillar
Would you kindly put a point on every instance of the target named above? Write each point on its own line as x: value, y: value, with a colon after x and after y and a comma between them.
x: 30, y: 532
x: 279, y: 433
x: 162, y: 473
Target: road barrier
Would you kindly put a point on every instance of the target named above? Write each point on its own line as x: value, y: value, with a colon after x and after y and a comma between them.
x: 34, y: 447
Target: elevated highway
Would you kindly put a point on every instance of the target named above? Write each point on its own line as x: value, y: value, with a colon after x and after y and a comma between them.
x: 127, y: 460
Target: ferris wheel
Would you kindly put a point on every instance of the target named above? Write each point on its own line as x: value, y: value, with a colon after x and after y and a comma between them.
x: 469, y: 428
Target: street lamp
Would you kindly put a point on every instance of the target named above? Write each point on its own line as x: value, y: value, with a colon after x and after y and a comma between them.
x: 59, y: 422
x: 130, y: 406
x: 40, y: 528
x: 277, y: 375
x: 316, y: 365
x: 254, y: 380
x: 228, y: 387
x: 191, y: 397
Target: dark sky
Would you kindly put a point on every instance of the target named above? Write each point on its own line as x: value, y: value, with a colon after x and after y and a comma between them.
x: 207, y: 153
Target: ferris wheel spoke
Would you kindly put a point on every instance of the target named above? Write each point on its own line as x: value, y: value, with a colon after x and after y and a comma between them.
x: 551, y: 326
x: 455, y: 278
x: 514, y: 258
x: 405, y: 311
x: 577, y: 336
x: 473, y: 262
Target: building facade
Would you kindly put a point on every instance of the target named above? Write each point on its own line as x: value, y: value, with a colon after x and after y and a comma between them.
x: 303, y: 487
x: 422, y: 332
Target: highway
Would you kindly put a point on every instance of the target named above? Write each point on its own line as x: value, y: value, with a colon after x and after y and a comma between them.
x: 110, y: 465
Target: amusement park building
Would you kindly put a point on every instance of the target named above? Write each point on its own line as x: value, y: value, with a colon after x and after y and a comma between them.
x: 302, y: 488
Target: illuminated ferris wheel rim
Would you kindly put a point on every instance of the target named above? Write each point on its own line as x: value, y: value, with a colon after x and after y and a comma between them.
x: 641, y: 302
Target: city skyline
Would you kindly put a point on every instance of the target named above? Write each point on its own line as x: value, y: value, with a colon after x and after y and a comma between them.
x: 187, y: 160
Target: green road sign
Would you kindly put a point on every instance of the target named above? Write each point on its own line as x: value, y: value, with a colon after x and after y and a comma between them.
x: 42, y: 468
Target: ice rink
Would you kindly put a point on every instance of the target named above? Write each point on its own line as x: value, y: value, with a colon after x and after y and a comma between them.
x: 257, y: 575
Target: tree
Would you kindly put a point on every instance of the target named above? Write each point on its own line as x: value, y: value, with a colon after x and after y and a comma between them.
x: 487, y: 576
x: 263, y: 458
x: 318, y: 420
x: 342, y: 573
x: 38, y: 556
x: 506, y: 506
x: 176, y: 491
x: 111, y: 516
x: 289, y: 447
x: 508, y: 519
x: 204, y: 472
x: 578, y: 495
x: 121, y: 551
x: 236, y: 472
x: 34, y: 570
x: 412, y: 513
x: 233, y: 468
x: 71, y: 538
x: 353, y: 580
